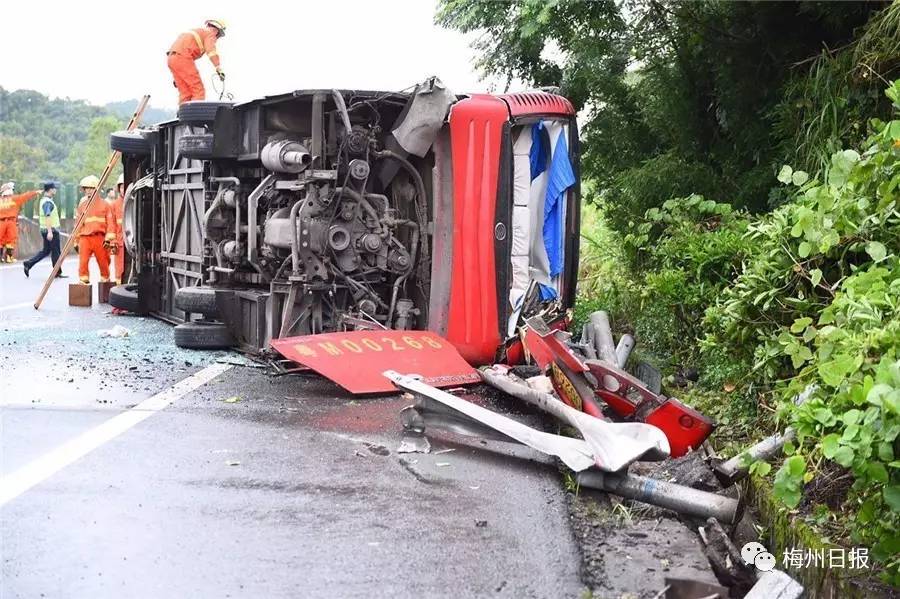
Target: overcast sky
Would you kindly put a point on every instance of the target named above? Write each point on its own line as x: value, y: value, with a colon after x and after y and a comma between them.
x: 107, y: 51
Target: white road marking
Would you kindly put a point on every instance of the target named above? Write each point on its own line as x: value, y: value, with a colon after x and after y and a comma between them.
x: 44, y: 467
x: 16, y: 306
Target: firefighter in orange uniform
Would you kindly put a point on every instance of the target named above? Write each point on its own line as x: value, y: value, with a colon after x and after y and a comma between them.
x: 117, y: 248
x: 188, y: 47
x: 97, y: 232
x: 9, y: 219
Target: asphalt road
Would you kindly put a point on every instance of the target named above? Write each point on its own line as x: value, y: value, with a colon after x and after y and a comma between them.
x: 289, y: 489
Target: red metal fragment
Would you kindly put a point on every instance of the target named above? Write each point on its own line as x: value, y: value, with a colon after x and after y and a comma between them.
x: 355, y: 360
x: 685, y: 427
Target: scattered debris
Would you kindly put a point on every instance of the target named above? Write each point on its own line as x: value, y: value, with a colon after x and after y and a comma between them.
x: 730, y: 567
x: 440, y: 409
x: 236, y: 360
x: 623, y: 350
x: 116, y: 332
x: 414, y: 444
x: 580, y: 383
x: 422, y: 352
x: 735, y: 469
x: 775, y: 584
x: 614, y: 445
x: 599, y: 333
x: 678, y: 498
x: 691, y: 470
x: 681, y: 588
x: 378, y: 449
x: 232, y: 463
x: 540, y: 383
x: 613, y: 543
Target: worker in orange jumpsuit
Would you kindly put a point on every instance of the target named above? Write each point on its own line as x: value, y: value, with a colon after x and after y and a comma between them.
x: 188, y: 47
x: 9, y: 219
x: 117, y: 248
x: 97, y: 232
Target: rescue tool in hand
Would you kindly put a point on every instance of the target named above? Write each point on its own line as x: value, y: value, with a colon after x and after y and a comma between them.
x: 185, y: 50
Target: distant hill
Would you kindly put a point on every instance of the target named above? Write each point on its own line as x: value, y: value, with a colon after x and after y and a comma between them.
x: 59, y: 139
x: 126, y: 108
x: 49, y: 126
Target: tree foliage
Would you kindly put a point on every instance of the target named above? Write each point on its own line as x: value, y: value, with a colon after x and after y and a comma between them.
x: 58, y: 139
x: 818, y: 304
x: 691, y: 88
x: 20, y: 161
x: 43, y: 139
x: 804, y: 297
x: 53, y: 126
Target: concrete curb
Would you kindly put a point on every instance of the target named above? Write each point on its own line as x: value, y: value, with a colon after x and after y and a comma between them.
x: 785, y: 531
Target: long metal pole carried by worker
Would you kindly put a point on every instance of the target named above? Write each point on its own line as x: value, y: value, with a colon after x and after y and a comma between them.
x: 113, y: 160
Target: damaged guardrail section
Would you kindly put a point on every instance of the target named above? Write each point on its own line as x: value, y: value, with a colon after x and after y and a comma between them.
x: 621, y: 423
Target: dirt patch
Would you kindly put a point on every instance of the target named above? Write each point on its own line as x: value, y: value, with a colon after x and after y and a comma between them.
x: 625, y: 556
x: 830, y: 487
x: 690, y: 470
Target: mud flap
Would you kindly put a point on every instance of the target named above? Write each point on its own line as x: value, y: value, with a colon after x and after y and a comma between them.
x: 355, y: 360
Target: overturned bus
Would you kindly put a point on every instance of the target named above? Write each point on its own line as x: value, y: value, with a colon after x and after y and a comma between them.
x: 331, y: 210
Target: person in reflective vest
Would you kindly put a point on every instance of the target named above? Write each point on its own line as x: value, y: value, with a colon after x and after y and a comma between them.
x: 9, y: 219
x: 117, y: 247
x: 48, y: 217
x: 187, y: 48
x: 97, y: 231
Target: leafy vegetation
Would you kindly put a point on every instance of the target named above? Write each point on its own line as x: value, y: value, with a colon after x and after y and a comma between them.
x: 806, y: 297
x: 819, y: 304
x: 741, y: 175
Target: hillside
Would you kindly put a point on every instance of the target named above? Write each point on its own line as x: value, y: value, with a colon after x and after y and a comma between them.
x: 58, y: 138
x: 125, y: 108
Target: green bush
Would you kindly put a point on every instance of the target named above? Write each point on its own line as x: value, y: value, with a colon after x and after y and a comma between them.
x: 818, y: 302
x: 807, y: 296
x: 657, y: 281
x: 635, y: 190
x: 604, y: 283
x: 683, y: 254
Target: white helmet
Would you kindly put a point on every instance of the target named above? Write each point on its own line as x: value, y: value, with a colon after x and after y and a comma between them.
x: 218, y: 24
x: 89, y: 182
